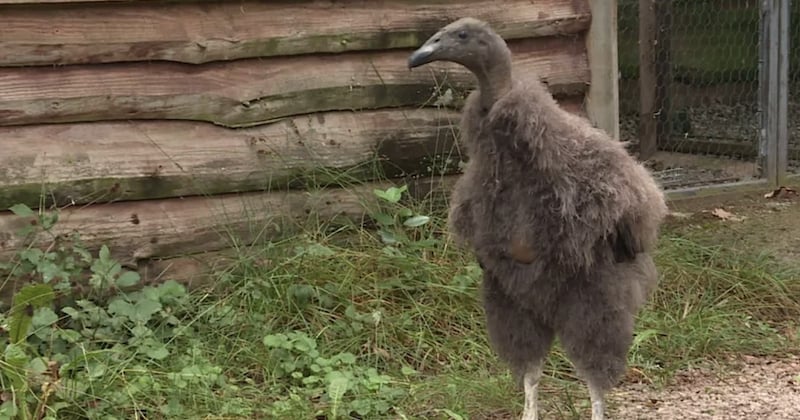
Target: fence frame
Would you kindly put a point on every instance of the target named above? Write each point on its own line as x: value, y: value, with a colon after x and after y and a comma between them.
x: 773, y: 67
x: 774, y: 90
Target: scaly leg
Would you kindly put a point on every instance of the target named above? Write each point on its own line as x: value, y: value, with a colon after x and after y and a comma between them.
x: 531, y: 383
x: 598, y: 402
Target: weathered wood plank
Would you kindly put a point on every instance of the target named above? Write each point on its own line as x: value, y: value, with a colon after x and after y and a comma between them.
x: 193, y: 32
x: 100, y: 162
x: 159, y: 228
x: 251, y: 92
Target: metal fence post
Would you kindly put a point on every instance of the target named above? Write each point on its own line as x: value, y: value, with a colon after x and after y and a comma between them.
x: 782, y: 151
x: 774, y: 89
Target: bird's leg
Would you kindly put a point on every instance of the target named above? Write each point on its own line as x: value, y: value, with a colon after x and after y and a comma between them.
x: 531, y: 384
x: 597, y: 397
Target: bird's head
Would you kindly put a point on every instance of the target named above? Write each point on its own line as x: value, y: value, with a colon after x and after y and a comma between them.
x: 467, y: 41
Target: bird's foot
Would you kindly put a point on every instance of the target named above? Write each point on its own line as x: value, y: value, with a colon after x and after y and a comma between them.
x: 531, y: 384
x: 598, y: 403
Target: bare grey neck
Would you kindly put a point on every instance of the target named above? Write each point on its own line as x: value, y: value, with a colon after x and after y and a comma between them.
x: 494, y: 79
x: 492, y: 87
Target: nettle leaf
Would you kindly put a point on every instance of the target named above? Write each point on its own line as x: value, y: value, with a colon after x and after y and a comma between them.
x: 72, y: 312
x: 43, y: 317
x: 15, y: 355
x: 346, y: 358
x: 95, y: 369
x: 171, y: 289
x: 275, y: 340
x: 32, y: 255
x: 8, y: 410
x: 315, y: 250
x: 387, y: 237
x: 392, y: 195
x: 49, y: 220
x: 416, y: 221
x: 26, y: 301
x: 338, y: 384
x: 105, y: 254
x: 158, y: 353
x: 383, y: 219
x: 145, y: 309
x: 21, y: 210
x: 37, y: 365
x: 408, y: 371
x: 122, y: 308
x: 128, y: 279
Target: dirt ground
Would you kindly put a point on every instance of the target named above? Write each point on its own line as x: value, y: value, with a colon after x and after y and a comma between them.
x: 755, y: 387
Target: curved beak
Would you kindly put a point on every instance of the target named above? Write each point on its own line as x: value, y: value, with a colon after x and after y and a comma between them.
x: 422, y: 55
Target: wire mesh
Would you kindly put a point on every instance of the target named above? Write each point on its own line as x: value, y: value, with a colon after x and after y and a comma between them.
x: 705, y: 88
x: 794, y: 89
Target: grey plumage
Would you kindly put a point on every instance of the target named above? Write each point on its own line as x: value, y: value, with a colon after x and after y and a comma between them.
x: 560, y: 217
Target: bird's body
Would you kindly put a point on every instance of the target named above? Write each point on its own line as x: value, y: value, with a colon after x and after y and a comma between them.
x: 560, y: 217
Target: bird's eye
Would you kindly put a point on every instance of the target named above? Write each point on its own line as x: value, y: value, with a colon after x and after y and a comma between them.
x: 462, y: 35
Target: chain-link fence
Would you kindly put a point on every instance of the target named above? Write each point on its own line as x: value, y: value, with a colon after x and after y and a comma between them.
x: 689, y: 88
x: 794, y: 88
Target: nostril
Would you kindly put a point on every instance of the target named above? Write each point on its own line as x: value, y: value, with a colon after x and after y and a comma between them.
x: 436, y: 40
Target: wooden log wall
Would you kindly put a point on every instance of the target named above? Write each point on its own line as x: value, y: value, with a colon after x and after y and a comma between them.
x: 169, y: 127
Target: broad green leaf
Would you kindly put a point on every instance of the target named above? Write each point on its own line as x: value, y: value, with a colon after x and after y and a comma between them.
x: 26, y: 301
x: 158, y: 353
x: 408, y: 371
x: 275, y: 340
x: 105, y: 254
x: 145, y: 309
x: 383, y: 219
x: 123, y: 308
x: 387, y: 237
x: 21, y: 210
x: 37, y: 365
x: 416, y: 221
x: 49, y: 220
x: 44, y: 317
x: 347, y: 358
x: 15, y: 355
x: 128, y: 279
x: 95, y: 370
x: 72, y: 312
x: 337, y: 387
x: 392, y: 194
x: 452, y: 414
x: 8, y: 410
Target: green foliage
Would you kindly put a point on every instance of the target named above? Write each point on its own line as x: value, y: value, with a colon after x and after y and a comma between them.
x: 360, y: 323
x: 342, y: 385
x: 100, y: 354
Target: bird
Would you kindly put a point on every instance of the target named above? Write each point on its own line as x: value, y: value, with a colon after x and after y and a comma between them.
x: 562, y: 220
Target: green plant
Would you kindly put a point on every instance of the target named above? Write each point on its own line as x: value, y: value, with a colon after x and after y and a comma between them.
x: 95, y: 353
x: 394, y: 218
x: 343, y: 386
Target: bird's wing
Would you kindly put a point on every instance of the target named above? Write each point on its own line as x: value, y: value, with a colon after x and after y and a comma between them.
x: 624, y: 244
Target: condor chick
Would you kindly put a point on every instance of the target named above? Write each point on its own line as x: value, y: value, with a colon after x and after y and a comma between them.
x: 560, y: 217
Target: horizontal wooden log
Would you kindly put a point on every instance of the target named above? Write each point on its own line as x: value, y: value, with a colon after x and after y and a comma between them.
x: 159, y: 228
x: 192, y: 32
x: 101, y: 162
x: 256, y: 91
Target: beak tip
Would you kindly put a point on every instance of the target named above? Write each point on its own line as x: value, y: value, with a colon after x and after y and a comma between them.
x: 421, y: 56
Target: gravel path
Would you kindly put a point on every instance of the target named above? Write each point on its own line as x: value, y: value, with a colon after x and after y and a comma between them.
x: 760, y: 389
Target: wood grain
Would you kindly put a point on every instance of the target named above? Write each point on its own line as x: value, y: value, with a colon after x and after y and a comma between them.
x: 158, y: 228
x: 83, y: 163
x: 200, y: 32
x: 256, y: 91
x: 100, y: 162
